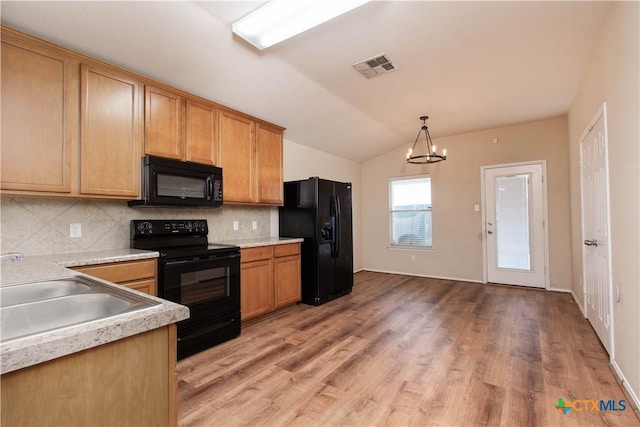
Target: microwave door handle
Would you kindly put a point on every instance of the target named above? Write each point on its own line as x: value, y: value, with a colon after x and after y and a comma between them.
x: 209, y: 192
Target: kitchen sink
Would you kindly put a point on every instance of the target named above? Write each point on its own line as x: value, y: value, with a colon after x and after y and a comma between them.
x: 12, y: 295
x: 47, y: 306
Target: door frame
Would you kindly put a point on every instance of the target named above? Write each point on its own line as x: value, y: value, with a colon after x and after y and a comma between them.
x: 545, y: 217
x: 600, y: 113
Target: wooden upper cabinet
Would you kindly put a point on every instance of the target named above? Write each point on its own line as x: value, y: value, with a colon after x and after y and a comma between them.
x: 75, y: 126
x: 39, y: 99
x: 200, y: 139
x: 163, y: 129
x: 179, y: 127
x: 110, y: 133
x: 237, y: 157
x: 251, y: 160
x: 269, y: 165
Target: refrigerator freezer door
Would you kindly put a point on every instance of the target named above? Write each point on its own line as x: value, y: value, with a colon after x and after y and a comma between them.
x: 344, y: 239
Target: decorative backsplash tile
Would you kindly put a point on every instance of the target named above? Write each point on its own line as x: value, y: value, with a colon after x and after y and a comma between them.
x: 40, y: 225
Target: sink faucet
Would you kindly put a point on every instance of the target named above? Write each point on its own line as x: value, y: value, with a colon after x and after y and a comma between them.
x: 13, y: 256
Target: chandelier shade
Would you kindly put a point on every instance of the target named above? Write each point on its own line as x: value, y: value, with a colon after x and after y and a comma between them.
x: 425, y: 153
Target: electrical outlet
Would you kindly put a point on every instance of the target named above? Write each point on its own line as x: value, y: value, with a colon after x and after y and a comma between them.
x: 235, y: 225
x: 75, y: 229
x: 254, y: 225
x: 413, y: 258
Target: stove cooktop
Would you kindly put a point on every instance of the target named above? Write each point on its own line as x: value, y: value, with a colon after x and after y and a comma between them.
x: 176, y: 238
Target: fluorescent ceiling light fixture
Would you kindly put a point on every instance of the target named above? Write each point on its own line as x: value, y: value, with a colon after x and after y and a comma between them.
x: 279, y: 20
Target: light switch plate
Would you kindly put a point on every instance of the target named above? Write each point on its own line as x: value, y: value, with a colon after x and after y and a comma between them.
x: 235, y: 225
x: 254, y: 225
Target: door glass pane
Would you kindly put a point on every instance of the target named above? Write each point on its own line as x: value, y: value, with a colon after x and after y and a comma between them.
x: 512, y: 222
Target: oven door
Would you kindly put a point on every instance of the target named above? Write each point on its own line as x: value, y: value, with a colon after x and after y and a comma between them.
x: 208, y: 285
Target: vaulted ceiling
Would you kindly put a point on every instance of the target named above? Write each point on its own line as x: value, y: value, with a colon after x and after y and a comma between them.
x: 468, y: 65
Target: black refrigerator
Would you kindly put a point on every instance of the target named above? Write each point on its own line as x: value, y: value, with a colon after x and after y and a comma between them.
x: 319, y: 211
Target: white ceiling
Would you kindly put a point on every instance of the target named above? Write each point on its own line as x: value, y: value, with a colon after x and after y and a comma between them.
x: 468, y: 65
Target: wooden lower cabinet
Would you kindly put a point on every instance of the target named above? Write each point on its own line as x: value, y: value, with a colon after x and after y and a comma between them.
x: 287, y: 275
x: 256, y: 289
x: 139, y: 275
x: 269, y: 278
x: 130, y: 382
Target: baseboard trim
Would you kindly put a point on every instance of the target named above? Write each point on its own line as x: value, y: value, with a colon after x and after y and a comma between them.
x: 573, y: 295
x: 358, y: 270
x: 625, y: 384
x: 373, y: 270
x: 580, y: 307
x: 552, y: 289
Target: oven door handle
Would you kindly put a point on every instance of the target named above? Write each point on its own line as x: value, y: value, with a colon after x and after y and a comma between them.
x: 197, y: 260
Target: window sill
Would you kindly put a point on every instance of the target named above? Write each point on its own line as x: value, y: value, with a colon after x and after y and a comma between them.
x: 411, y: 248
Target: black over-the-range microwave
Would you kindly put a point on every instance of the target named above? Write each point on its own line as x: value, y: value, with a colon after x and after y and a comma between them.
x: 169, y: 182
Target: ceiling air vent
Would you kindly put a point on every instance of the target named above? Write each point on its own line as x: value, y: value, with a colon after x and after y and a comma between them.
x: 375, y: 66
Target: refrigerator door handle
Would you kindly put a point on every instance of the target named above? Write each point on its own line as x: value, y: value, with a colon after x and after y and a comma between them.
x: 338, y: 230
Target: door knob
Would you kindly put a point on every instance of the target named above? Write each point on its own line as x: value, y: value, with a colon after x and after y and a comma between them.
x: 593, y: 243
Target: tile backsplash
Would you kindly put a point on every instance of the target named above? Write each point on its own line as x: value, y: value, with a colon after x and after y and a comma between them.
x: 40, y: 225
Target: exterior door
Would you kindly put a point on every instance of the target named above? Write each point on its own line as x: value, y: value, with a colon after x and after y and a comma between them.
x: 596, y: 248
x: 514, y: 225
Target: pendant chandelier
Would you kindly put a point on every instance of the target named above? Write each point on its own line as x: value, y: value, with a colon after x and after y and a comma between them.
x: 428, y: 153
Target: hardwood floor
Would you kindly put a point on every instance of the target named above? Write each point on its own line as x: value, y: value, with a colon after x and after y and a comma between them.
x: 405, y: 350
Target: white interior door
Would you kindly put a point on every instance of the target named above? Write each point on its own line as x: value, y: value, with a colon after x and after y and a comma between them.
x: 596, y: 249
x: 514, y: 225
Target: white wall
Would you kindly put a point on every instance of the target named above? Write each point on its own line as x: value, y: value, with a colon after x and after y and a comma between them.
x: 456, y: 188
x: 301, y: 162
x: 612, y: 76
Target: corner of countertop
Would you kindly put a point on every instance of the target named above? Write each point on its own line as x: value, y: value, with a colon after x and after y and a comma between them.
x: 253, y: 242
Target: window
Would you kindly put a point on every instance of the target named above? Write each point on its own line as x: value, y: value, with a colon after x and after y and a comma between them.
x: 410, y: 212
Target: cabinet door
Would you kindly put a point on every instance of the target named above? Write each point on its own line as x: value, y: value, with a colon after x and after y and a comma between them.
x: 110, y: 140
x: 287, y: 280
x: 162, y: 127
x: 200, y: 119
x: 256, y: 288
x: 236, y: 157
x: 269, y: 165
x: 39, y: 112
x: 148, y: 286
x: 138, y: 275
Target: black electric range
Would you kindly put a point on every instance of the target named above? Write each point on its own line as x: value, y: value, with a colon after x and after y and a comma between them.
x: 204, y: 277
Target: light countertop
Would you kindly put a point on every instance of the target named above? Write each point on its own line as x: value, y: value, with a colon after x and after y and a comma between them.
x: 48, y: 267
x: 260, y: 241
x: 30, y: 350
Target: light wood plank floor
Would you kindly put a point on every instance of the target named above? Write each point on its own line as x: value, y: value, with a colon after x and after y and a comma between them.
x: 407, y: 351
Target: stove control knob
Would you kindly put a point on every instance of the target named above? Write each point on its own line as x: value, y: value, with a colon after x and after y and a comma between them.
x: 144, y: 227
